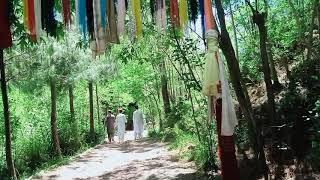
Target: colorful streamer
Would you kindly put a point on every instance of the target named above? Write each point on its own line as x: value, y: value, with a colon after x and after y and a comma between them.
x: 90, y: 21
x: 32, y: 19
x: 38, y: 24
x: 183, y: 12
x: 138, y: 17
x: 174, y: 13
x: 161, y: 14
x: 158, y: 13
x: 49, y: 23
x: 121, y: 12
x: 103, y: 13
x: 112, y: 22
x: 66, y: 7
x: 82, y: 15
x: 98, y: 46
x: 209, y: 19
x: 25, y: 13
x: 201, y: 8
x: 164, y: 15
x: 193, y: 10
x: 5, y: 33
x: 153, y: 7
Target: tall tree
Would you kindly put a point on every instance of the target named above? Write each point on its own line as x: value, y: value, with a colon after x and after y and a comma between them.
x: 164, y: 89
x: 97, y: 101
x: 6, y: 113
x: 259, y: 18
x: 273, y: 70
x: 71, y: 103
x: 54, y: 128
x: 234, y: 31
x: 91, y: 108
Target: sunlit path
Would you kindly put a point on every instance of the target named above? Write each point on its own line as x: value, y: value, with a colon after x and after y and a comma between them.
x: 146, y: 159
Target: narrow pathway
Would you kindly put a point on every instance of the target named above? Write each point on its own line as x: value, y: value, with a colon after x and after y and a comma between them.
x: 145, y: 159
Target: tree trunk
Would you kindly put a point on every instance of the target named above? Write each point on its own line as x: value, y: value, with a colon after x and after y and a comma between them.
x: 54, y: 127
x: 91, y: 107
x: 6, y: 113
x: 233, y: 67
x: 159, y: 112
x: 71, y: 103
x: 164, y: 89
x: 74, y: 122
x: 98, y: 106
x: 273, y: 70
x: 234, y: 32
x: 240, y: 90
x: 274, y: 76
x: 259, y: 19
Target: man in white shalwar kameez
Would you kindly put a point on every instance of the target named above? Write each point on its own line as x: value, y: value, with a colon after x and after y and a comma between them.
x: 121, y: 121
x: 138, y: 123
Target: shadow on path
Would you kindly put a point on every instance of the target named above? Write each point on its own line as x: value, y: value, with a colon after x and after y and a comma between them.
x: 138, y: 160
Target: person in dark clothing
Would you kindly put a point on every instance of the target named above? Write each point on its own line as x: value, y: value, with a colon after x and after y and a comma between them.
x: 109, y: 123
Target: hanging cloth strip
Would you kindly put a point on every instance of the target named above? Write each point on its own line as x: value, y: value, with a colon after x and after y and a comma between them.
x: 211, y: 68
x: 90, y: 21
x: 201, y: 8
x: 183, y: 12
x: 209, y: 19
x: 164, y: 15
x: 5, y: 33
x: 174, y: 13
x: 99, y: 31
x: 158, y: 13
x: 66, y: 6
x: 103, y: 13
x: 193, y: 11
x: 49, y: 23
x: 25, y: 14
x: 229, y: 118
x: 38, y: 24
x: 112, y: 34
x: 82, y: 16
x: 153, y: 9
x: 121, y: 12
x: 32, y: 19
x: 161, y: 19
x: 136, y: 8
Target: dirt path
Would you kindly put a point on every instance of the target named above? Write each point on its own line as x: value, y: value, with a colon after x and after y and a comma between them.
x: 145, y: 159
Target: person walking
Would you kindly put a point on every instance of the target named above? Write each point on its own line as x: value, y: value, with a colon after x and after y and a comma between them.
x: 110, y: 124
x: 138, y: 123
x: 121, y: 121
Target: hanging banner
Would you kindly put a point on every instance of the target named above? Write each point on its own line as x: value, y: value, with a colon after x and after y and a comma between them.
x: 183, y: 12
x: 66, y: 7
x: 136, y: 6
x: 174, y: 13
x: 5, y: 33
x: 121, y: 12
